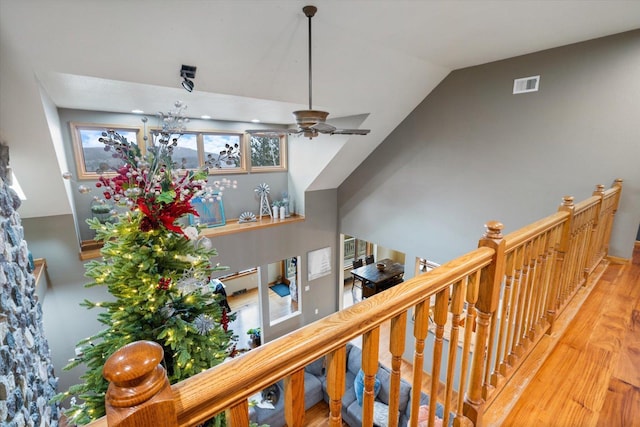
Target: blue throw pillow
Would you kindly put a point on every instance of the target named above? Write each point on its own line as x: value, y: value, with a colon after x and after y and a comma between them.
x: 358, y: 387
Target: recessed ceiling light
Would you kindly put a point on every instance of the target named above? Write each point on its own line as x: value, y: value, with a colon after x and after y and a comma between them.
x: 255, y: 120
x: 205, y: 117
x: 137, y: 111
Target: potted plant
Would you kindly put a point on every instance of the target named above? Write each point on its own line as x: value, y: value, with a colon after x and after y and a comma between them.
x: 255, y: 335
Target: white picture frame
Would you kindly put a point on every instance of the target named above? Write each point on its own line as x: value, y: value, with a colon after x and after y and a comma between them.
x: 319, y: 263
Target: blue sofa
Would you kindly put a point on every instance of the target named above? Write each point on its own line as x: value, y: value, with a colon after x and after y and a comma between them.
x: 315, y: 390
x: 313, y: 394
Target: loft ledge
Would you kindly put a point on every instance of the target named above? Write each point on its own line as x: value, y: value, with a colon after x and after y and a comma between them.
x: 90, y: 249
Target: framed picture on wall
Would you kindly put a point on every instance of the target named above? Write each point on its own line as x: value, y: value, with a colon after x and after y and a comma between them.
x: 319, y: 263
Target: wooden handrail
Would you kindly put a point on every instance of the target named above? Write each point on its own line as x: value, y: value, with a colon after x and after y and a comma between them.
x: 505, y: 295
x: 208, y: 393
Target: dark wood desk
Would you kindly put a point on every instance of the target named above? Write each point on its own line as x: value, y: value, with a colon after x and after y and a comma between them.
x: 374, y: 280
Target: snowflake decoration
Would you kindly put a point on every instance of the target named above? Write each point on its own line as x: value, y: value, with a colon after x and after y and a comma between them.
x: 191, y: 281
x: 203, y: 324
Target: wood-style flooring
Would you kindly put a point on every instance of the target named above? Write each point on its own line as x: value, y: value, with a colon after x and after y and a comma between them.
x: 592, y: 377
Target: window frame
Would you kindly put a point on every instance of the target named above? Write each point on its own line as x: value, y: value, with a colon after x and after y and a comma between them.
x: 283, y: 156
x: 76, y: 128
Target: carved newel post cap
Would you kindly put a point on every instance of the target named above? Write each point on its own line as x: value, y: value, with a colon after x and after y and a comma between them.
x: 494, y: 230
x: 599, y: 188
x: 134, y: 373
x: 567, y: 201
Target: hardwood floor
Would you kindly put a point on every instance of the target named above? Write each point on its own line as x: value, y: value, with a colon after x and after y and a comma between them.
x: 592, y: 377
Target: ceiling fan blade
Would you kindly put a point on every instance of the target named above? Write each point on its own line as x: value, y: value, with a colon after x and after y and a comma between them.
x: 273, y: 131
x: 350, y: 132
x: 323, y: 127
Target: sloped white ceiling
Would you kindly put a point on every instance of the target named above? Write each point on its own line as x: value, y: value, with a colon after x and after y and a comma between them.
x: 373, y: 59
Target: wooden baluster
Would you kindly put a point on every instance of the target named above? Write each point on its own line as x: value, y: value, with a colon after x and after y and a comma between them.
x: 457, y: 305
x: 537, y: 286
x: 522, y: 302
x: 420, y: 329
x: 531, y: 295
x: 561, y: 248
x: 567, y: 278
x: 472, y: 297
x: 370, y: 347
x: 595, y: 250
x: 396, y: 347
x: 440, y: 319
x: 610, y: 214
x: 503, y: 344
x: 139, y: 392
x: 238, y: 415
x: 336, y: 370
x: 488, y: 298
x: 583, y: 245
x: 548, y: 264
x: 512, y: 331
x: 617, y: 184
x: 294, y: 399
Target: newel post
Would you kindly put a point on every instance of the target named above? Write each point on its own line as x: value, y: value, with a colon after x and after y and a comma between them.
x: 488, y: 300
x: 139, y: 393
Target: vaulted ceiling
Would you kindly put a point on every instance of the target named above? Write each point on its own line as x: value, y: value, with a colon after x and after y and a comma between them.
x: 372, y: 60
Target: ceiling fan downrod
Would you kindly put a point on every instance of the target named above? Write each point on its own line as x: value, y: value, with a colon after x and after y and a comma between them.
x: 310, y: 12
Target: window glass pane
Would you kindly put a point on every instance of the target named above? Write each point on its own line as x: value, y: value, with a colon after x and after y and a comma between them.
x: 95, y: 158
x: 185, y: 155
x: 265, y: 151
x: 215, y: 143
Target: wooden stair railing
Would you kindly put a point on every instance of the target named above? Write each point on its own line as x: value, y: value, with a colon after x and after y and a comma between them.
x: 491, y: 306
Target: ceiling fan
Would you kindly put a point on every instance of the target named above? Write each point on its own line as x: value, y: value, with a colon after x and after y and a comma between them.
x: 310, y: 122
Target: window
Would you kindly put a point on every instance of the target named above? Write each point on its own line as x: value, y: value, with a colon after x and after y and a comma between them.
x: 216, y: 147
x: 92, y: 160
x: 225, y: 151
x: 268, y: 153
x: 195, y: 148
x: 185, y: 154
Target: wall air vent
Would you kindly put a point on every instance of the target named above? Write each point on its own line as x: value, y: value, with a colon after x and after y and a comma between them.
x: 526, y: 84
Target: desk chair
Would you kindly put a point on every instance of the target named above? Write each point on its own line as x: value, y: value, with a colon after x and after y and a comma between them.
x: 369, y: 259
x: 356, y: 263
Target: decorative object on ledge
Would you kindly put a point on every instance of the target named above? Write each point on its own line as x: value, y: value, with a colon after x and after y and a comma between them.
x: 263, y: 191
x: 285, y: 203
x: 210, y: 211
x: 247, y: 217
x: 380, y: 266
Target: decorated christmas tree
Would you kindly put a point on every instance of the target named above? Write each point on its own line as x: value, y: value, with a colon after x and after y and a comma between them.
x: 157, y: 271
